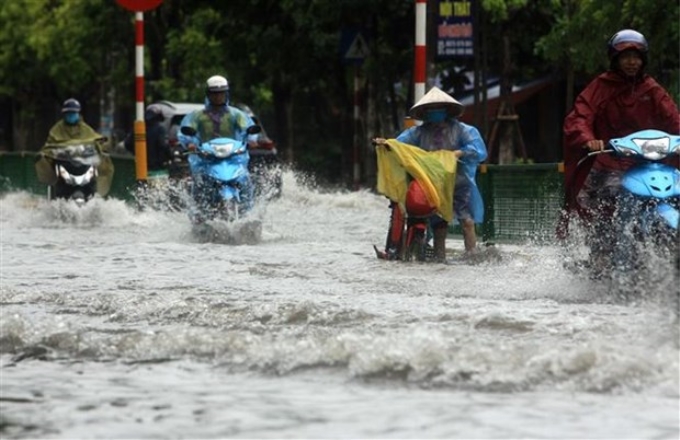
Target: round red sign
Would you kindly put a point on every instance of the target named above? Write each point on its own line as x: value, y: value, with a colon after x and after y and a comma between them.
x: 139, y: 5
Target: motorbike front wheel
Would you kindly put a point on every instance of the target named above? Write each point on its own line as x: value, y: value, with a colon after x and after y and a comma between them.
x: 416, y: 240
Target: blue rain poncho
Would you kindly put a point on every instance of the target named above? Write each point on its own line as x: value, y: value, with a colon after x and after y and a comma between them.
x: 211, y: 123
x: 454, y: 135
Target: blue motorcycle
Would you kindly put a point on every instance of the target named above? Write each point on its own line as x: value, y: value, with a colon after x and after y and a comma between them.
x: 651, y: 188
x: 221, y: 187
x: 648, y: 212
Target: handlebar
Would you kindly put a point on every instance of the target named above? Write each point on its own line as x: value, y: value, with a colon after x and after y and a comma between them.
x: 594, y: 153
x: 604, y: 151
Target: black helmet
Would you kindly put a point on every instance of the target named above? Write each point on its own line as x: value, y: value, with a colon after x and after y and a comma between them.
x: 70, y: 105
x: 154, y: 112
x: 624, y: 40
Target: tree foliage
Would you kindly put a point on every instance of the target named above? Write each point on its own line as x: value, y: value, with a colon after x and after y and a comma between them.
x: 282, y: 57
x: 54, y: 45
x: 582, y: 28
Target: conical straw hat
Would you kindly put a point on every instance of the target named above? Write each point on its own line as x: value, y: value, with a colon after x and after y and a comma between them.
x: 436, y: 98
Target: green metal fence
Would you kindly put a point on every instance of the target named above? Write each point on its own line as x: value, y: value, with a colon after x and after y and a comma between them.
x: 17, y: 172
x: 522, y: 202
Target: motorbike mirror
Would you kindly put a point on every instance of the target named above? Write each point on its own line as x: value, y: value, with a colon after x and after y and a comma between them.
x: 254, y: 129
x: 189, y: 131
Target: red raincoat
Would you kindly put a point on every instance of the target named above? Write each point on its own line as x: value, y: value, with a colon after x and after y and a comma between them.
x: 611, y: 106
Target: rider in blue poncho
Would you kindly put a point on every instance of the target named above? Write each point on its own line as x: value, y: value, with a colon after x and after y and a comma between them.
x: 441, y: 130
x: 218, y: 118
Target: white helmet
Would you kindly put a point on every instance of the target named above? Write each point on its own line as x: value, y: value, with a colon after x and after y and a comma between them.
x: 216, y: 83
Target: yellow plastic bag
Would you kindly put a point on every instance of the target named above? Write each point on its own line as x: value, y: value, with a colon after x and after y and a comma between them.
x: 434, y: 170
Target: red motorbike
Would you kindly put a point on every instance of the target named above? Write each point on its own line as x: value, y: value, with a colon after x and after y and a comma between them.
x: 419, y: 184
x: 407, y: 237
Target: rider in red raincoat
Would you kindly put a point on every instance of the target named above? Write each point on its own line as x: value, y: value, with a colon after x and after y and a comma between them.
x: 618, y: 102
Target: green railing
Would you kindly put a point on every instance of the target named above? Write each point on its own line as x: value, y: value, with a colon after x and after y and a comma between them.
x: 522, y: 202
x: 17, y: 172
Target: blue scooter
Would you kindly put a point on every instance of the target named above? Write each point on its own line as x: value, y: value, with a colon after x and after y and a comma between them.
x: 649, y: 207
x: 653, y: 186
x: 221, y: 186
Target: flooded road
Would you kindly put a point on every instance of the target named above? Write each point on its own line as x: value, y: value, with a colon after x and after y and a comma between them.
x: 116, y: 323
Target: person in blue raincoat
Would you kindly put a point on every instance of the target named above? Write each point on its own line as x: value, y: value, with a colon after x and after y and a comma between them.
x: 441, y: 130
x: 218, y: 118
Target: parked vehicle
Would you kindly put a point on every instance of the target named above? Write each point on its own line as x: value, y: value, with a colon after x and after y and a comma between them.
x: 173, y: 113
x: 265, y: 164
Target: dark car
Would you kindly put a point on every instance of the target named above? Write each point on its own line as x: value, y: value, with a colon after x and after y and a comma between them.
x: 265, y: 164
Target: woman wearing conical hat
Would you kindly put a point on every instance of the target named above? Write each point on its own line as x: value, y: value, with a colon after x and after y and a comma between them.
x: 441, y: 130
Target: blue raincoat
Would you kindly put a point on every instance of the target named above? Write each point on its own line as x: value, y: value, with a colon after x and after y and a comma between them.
x: 454, y: 135
x: 212, y: 123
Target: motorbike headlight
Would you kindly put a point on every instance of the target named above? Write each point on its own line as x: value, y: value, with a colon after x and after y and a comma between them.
x: 223, y: 150
x: 654, y: 149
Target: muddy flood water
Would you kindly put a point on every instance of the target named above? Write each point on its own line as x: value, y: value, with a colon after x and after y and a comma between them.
x: 117, y: 323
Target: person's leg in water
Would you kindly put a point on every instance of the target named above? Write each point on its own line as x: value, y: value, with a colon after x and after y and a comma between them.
x: 599, y: 194
x: 469, y: 235
x: 461, y: 207
x: 440, y: 229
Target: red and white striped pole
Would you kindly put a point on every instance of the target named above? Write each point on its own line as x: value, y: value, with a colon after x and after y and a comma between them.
x: 138, y: 6
x: 419, y: 68
x: 140, y: 126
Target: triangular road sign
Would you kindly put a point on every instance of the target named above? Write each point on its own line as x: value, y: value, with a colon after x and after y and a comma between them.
x: 358, y: 50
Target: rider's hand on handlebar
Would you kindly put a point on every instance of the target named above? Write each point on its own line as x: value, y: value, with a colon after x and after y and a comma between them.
x: 594, y: 145
x: 379, y: 141
x: 191, y: 147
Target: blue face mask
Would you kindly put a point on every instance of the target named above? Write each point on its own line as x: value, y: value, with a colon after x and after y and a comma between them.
x: 435, y: 115
x: 72, y: 118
